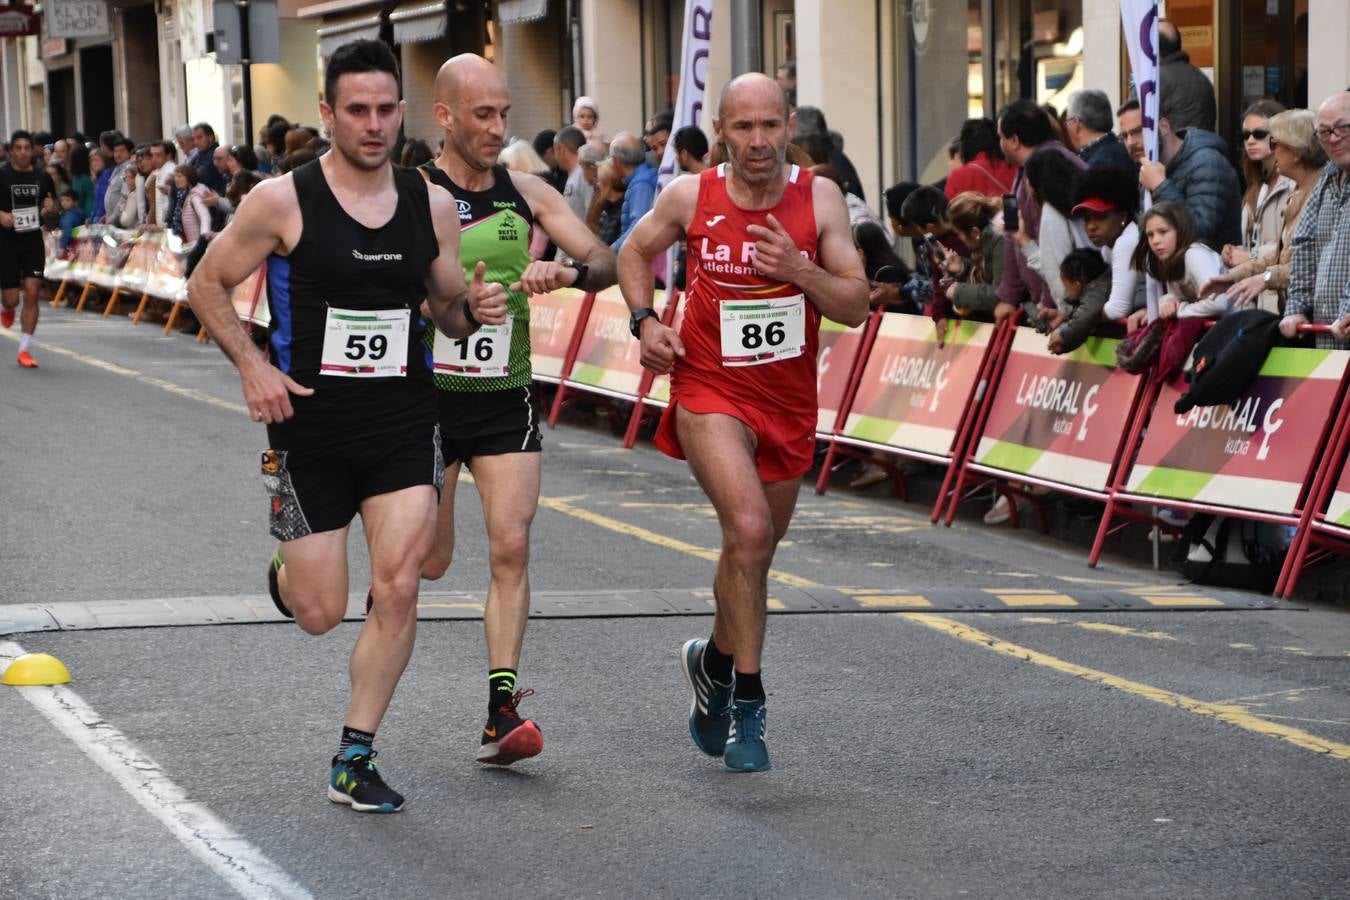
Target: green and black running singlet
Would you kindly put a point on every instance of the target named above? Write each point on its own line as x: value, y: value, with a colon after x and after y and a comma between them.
x: 346, y: 319
x: 494, y: 226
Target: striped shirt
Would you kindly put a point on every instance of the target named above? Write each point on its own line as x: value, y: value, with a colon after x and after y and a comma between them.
x: 1319, y: 274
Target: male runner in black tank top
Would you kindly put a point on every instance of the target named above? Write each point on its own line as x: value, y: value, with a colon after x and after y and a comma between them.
x: 352, y: 246
x: 488, y: 419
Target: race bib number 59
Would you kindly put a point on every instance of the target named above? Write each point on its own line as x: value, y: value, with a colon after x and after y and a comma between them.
x: 755, y: 332
x: 365, y: 343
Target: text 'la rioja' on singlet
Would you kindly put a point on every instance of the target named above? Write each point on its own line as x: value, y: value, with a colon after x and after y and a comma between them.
x: 747, y: 337
x: 494, y: 228
x: 346, y: 316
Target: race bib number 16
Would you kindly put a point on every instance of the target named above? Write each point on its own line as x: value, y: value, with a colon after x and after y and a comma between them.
x: 755, y: 332
x: 484, y: 354
x: 365, y: 343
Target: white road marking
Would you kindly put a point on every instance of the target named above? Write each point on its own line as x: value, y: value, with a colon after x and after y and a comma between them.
x: 240, y: 864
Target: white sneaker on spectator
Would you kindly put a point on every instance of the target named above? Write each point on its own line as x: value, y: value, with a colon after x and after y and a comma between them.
x: 1000, y: 514
x: 1174, y: 517
x: 871, y: 474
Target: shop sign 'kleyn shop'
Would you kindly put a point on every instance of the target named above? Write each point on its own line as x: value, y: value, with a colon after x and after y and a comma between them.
x: 77, y: 18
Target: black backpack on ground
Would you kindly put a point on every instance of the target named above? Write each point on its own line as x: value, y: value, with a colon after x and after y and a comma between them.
x: 1234, y: 553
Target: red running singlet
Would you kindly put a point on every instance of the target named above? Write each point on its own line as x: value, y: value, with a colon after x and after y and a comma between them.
x: 741, y: 366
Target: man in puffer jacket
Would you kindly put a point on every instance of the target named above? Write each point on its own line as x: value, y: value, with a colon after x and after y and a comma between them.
x: 1196, y: 173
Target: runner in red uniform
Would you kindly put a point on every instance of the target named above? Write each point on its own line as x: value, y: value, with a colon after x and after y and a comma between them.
x: 770, y: 252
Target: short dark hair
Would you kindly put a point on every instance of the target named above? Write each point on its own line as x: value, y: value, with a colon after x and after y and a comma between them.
x: 662, y: 121
x: 21, y: 135
x: 877, y: 251
x: 810, y: 120
x: 1025, y: 121
x: 895, y: 196
x: 110, y: 138
x: 817, y: 146
x: 274, y: 119
x: 126, y: 142
x: 925, y: 205
x: 1054, y: 176
x: 692, y: 140
x: 979, y: 136
x: 354, y: 58
x: 1130, y: 104
x: 1117, y: 186
x: 543, y: 141
x: 571, y: 137
x: 170, y: 149
x: 1083, y: 265
x: 189, y: 173
x: 206, y: 129
x: 245, y: 156
x: 72, y: 194
x: 789, y: 67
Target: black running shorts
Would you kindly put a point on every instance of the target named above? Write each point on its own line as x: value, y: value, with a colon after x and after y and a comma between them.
x: 317, y: 490
x: 21, y: 258
x: 489, y: 424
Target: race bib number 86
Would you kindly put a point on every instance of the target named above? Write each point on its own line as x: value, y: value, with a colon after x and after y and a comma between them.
x: 755, y: 332
x: 365, y: 343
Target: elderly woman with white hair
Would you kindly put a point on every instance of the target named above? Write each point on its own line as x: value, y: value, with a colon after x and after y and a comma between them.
x: 586, y: 116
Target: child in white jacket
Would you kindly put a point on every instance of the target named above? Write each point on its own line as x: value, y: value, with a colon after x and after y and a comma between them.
x: 1170, y: 252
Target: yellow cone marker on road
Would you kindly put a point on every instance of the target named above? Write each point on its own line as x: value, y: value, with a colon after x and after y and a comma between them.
x: 36, y: 668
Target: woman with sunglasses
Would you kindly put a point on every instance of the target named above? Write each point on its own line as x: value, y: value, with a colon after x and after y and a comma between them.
x: 1267, y: 190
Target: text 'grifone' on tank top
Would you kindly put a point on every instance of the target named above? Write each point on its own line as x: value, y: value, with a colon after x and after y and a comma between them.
x: 345, y: 305
x: 494, y: 229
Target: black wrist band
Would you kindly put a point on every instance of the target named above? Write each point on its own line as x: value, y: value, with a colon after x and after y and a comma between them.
x: 582, y: 271
x: 468, y: 314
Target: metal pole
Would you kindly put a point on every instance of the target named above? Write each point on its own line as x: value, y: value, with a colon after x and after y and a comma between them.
x: 246, y: 81
x: 745, y: 52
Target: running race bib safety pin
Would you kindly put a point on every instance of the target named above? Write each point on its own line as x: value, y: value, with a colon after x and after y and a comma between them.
x: 484, y: 354
x: 365, y: 343
x: 755, y: 332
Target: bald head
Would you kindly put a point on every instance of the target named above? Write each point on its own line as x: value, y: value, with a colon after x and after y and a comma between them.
x: 1333, y: 115
x: 751, y: 88
x: 471, y: 106
x: 1169, y: 38
x: 465, y: 76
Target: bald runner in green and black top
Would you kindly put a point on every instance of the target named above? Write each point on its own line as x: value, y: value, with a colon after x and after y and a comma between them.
x: 494, y: 227
x: 485, y: 398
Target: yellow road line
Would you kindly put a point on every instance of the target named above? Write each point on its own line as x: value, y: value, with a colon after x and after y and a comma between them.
x: 113, y: 368
x: 1232, y: 715
x: 660, y: 540
x: 1179, y: 600
x: 1125, y: 630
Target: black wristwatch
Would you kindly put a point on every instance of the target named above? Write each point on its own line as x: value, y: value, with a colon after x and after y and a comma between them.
x: 635, y: 320
x: 582, y: 270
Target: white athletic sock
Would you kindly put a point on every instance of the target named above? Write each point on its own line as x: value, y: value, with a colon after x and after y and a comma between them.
x: 24, y: 340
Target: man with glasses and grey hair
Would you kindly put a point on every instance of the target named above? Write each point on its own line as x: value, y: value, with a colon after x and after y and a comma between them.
x: 1319, y: 272
x: 629, y: 156
x: 1088, y: 122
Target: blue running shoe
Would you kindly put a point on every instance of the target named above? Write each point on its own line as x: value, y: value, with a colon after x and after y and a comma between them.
x: 710, y: 709
x: 356, y: 782
x: 745, y: 750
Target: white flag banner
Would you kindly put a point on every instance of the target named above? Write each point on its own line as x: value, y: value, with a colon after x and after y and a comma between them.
x: 1140, y: 19
x: 693, y: 78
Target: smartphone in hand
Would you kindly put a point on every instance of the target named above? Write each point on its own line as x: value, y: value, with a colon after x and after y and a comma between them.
x: 933, y: 246
x: 1011, y: 222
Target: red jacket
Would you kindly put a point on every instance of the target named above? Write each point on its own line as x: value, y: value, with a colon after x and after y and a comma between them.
x: 984, y: 175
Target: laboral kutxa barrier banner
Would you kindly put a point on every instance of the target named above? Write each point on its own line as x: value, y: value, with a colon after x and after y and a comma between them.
x: 553, y: 319
x: 1252, y: 455
x: 1058, y: 418
x: 1338, y: 510
x: 913, y: 393
x: 839, y: 348
x: 609, y: 358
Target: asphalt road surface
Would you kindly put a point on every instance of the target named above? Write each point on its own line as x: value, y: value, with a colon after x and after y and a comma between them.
x: 952, y: 712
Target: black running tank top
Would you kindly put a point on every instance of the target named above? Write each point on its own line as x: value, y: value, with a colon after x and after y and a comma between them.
x: 345, y: 284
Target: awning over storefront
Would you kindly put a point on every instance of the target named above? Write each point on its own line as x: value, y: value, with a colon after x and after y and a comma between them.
x: 515, y: 12
x: 419, y: 21
x: 337, y: 30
